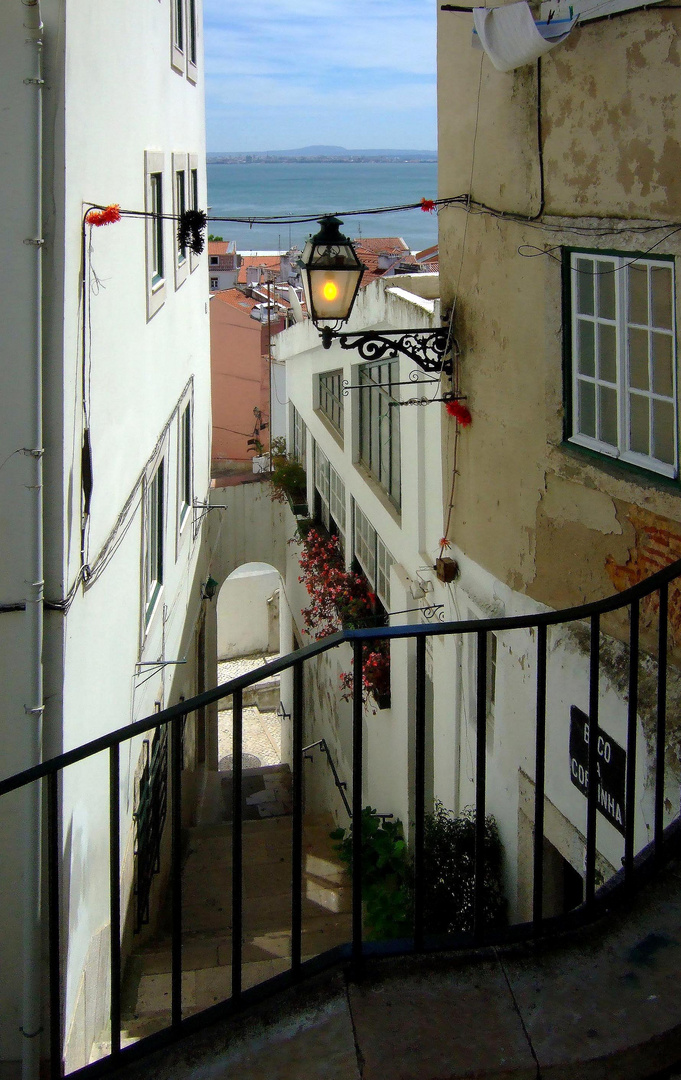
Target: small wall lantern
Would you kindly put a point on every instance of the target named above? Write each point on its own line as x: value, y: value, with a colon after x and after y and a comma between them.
x: 209, y: 589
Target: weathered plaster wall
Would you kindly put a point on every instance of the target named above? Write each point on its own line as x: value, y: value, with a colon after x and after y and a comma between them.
x: 538, y: 513
x: 610, y: 118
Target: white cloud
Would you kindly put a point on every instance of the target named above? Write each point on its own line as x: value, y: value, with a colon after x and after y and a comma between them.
x: 370, y: 62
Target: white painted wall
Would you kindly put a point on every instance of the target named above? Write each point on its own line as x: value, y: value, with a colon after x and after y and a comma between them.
x: 111, y: 94
x: 245, y: 608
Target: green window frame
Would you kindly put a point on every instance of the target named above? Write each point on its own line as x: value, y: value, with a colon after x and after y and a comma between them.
x: 379, y: 425
x: 331, y: 398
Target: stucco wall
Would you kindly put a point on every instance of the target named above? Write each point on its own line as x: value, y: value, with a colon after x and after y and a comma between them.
x: 240, y: 381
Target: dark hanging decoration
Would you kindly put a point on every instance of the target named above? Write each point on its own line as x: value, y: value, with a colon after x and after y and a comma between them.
x: 190, y: 229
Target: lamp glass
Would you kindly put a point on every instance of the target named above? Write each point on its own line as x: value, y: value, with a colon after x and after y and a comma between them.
x: 331, y: 273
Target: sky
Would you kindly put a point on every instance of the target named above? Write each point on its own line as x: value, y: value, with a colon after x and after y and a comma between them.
x: 293, y: 73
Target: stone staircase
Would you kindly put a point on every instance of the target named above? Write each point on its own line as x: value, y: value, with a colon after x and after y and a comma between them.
x: 207, y: 919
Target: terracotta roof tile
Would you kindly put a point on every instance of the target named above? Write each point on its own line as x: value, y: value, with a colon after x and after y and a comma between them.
x: 235, y: 298
x: 221, y: 247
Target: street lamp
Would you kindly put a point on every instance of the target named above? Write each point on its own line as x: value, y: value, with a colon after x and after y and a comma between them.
x: 332, y: 273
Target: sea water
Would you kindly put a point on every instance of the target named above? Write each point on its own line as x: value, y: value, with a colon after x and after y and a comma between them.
x: 301, y: 189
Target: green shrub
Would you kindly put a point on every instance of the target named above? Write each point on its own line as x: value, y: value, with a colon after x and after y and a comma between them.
x: 386, y: 875
x: 449, y: 850
x: 449, y: 872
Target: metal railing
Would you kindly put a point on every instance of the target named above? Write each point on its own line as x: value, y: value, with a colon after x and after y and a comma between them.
x: 340, y: 784
x: 50, y: 773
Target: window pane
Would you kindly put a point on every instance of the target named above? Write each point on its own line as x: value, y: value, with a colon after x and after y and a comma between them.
x: 639, y: 426
x: 587, y: 409
x: 586, y: 348
x: 663, y: 431
x: 585, y: 286
x: 661, y: 285
x: 607, y: 351
x: 606, y: 290
x: 663, y: 375
x: 607, y: 415
x: 638, y: 294
x: 638, y: 359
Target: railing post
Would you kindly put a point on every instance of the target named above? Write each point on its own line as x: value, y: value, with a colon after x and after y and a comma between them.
x: 176, y: 868
x: 297, y: 821
x: 592, y: 791
x: 539, y: 781
x: 357, y: 713
x: 661, y: 718
x: 115, y: 895
x: 419, y: 793
x: 632, y: 713
x: 480, y: 788
x: 53, y: 863
x: 237, y: 841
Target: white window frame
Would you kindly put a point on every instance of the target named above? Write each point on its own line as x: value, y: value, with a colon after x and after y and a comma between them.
x: 154, y: 166
x: 180, y: 204
x: 155, y: 487
x: 191, y: 33
x: 298, y: 437
x: 617, y: 383
x: 372, y: 555
x: 178, y: 35
x: 185, y: 464
x: 330, y: 490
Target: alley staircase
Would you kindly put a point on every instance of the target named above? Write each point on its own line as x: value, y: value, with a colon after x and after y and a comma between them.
x: 207, y: 919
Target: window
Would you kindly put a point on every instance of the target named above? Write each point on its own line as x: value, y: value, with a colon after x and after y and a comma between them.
x: 185, y: 486
x: 214, y: 283
x: 330, y: 398
x: 379, y: 425
x: 154, y: 540
x: 623, y: 359
x: 299, y: 436
x: 329, y: 496
x: 373, y: 557
x: 192, y: 42
x: 179, y: 207
x: 214, y: 260
x: 177, y: 35
x: 154, y: 231
x: 194, y: 259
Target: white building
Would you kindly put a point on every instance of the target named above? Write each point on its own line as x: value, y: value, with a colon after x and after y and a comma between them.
x: 374, y: 472
x: 104, y: 446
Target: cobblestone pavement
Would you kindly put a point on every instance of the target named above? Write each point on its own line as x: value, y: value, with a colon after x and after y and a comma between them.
x: 262, y: 730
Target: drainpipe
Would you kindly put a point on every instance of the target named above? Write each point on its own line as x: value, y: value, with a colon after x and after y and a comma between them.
x: 31, y: 1026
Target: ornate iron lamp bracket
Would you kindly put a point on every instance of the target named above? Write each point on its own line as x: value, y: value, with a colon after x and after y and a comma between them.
x: 423, y: 347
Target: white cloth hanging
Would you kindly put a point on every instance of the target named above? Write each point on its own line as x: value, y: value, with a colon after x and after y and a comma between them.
x: 511, y: 38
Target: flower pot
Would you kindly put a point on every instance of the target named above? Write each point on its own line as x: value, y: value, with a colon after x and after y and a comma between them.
x: 382, y: 700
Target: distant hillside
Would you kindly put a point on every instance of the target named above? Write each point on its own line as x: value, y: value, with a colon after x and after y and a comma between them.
x: 319, y: 153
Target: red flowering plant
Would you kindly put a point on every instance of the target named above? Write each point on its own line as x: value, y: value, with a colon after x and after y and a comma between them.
x: 341, y: 599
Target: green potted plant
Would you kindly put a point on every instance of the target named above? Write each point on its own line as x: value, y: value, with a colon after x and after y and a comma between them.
x: 287, y: 479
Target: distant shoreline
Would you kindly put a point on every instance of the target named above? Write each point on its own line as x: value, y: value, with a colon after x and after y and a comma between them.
x: 279, y: 159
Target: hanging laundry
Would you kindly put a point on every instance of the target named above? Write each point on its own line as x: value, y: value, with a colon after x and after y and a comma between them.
x: 511, y: 38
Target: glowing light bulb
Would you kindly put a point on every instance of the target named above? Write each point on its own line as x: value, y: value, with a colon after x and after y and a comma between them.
x: 330, y: 290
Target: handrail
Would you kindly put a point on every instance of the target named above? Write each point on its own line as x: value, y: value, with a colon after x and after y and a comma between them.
x: 357, y: 949
x: 340, y: 784
x: 316, y: 648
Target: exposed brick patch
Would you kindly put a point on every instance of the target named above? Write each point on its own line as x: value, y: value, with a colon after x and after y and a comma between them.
x: 658, y: 543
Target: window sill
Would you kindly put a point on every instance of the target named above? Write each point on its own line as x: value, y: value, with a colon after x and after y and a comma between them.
x: 579, y: 463
x: 332, y: 430
x: 381, y: 494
